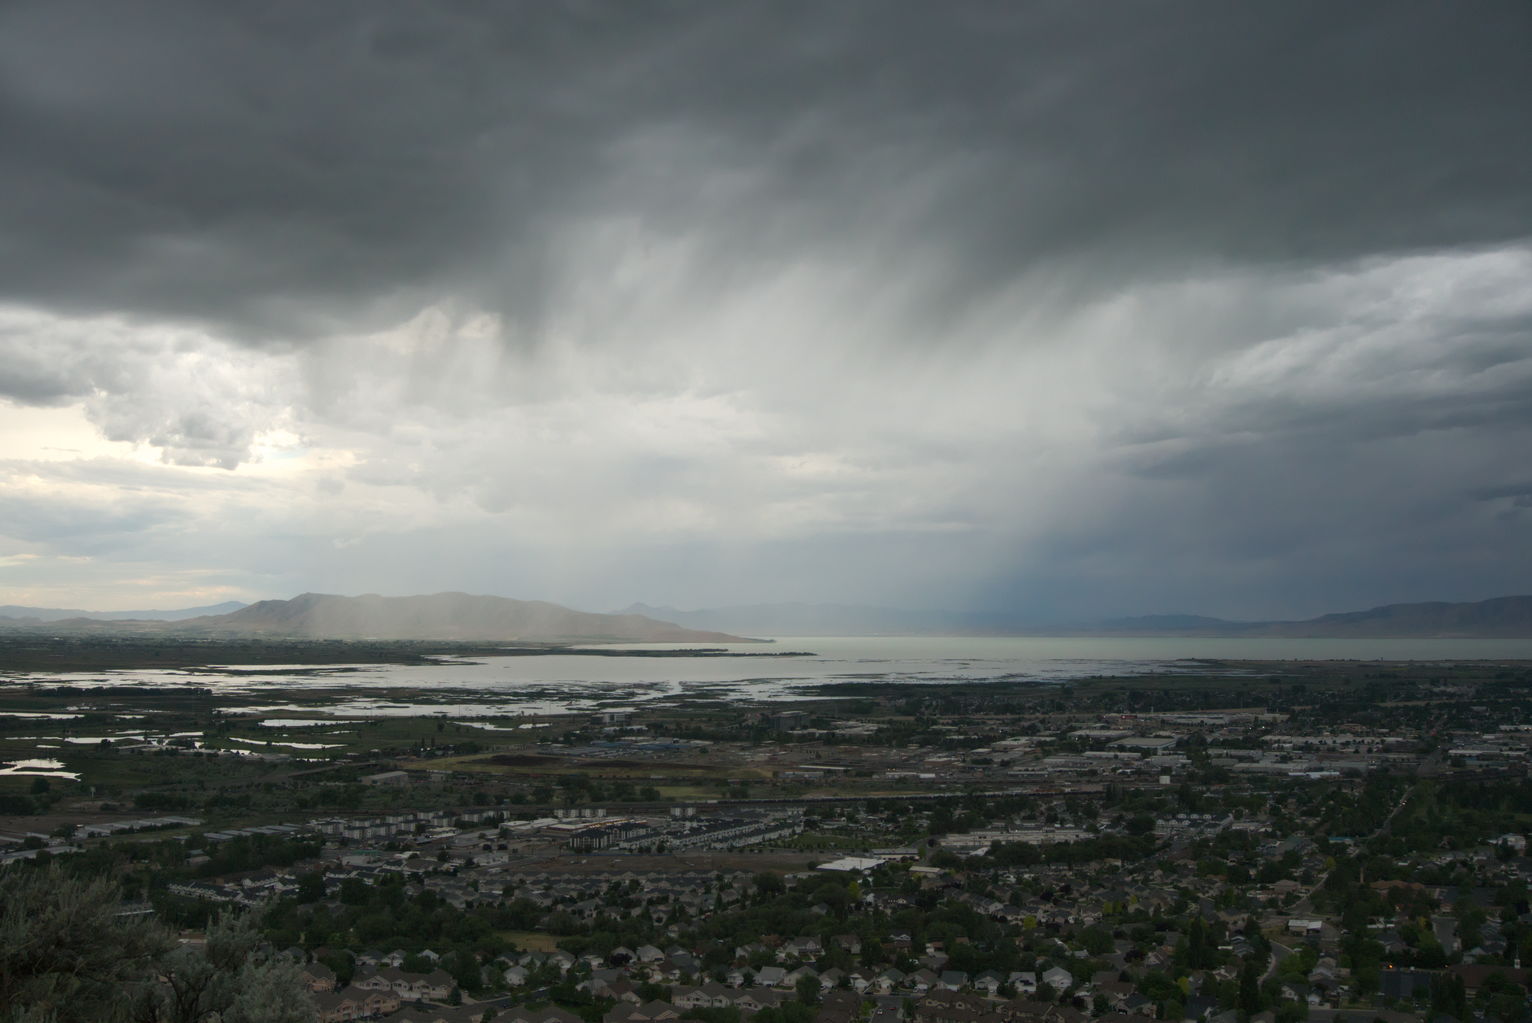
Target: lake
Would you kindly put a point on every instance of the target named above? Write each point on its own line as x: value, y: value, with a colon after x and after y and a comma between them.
x: 523, y: 685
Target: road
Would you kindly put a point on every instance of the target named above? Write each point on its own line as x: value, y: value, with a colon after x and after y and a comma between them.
x: 1278, y: 954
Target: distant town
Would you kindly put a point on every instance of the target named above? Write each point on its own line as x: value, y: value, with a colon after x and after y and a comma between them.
x: 1238, y: 841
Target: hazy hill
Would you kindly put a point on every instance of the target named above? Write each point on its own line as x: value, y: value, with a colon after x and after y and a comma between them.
x: 799, y: 619
x: 55, y: 614
x: 1173, y: 624
x: 462, y: 616
x: 457, y: 616
x: 1500, y: 617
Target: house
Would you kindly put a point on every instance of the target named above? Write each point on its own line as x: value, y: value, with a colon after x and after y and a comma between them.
x: 794, y: 976
x: 385, y: 979
x: 800, y: 948
x: 649, y: 1012
x: 1199, y: 1006
x: 435, y: 986
x: 664, y: 972
x: 771, y: 976
x: 355, y: 1003
x: 691, y: 998
x: 1294, y: 990
x: 1475, y: 975
x: 1305, y: 927
x: 721, y: 996
x: 337, y: 1007
x: 947, y: 1006
x: 319, y: 977
x: 756, y: 999
x: 710, y: 996
x: 1058, y: 978
x: 1020, y: 1009
x: 1114, y: 992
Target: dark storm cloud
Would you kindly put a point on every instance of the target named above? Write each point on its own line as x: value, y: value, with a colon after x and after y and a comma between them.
x: 285, y: 167
x: 1149, y: 306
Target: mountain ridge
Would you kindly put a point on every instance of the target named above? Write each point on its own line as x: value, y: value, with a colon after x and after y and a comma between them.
x: 455, y: 615
x: 439, y: 616
x: 58, y: 614
x: 1496, y: 617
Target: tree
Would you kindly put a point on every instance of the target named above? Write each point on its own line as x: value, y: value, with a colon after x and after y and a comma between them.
x: 231, y: 976
x: 67, y: 957
x: 1096, y: 940
x: 270, y: 993
x: 341, y: 963
x: 464, y: 968
x: 64, y: 955
x: 769, y: 884
x: 1449, y: 996
x: 354, y: 892
x: 310, y: 887
x: 1249, y: 989
x: 808, y: 989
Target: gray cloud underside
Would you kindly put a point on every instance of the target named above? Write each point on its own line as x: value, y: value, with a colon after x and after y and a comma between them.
x: 279, y: 168
x: 1069, y: 308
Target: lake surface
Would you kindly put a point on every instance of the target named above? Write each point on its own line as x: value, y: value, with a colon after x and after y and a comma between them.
x: 522, y: 685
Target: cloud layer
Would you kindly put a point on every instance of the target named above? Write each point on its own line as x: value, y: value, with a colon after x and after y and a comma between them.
x: 1041, y: 307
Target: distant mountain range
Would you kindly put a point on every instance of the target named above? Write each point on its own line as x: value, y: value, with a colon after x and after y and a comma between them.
x: 1500, y: 617
x: 440, y: 616
x: 832, y: 620
x: 58, y: 614
x: 461, y: 616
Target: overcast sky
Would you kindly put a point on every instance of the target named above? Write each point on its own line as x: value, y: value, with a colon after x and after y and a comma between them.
x: 1066, y: 309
